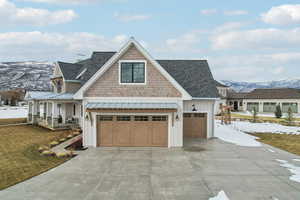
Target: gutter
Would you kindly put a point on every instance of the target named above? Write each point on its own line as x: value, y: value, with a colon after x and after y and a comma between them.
x: 201, y: 98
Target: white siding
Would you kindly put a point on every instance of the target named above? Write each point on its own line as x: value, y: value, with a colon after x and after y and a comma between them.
x: 205, y: 106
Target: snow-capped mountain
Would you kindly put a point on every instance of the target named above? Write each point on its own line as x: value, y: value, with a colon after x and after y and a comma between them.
x: 25, y: 75
x: 248, y: 86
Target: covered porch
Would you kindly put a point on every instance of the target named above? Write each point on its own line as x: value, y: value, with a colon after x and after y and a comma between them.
x: 56, y: 112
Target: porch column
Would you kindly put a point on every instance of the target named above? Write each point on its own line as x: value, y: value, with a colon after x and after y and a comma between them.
x: 35, y: 112
x: 49, y: 113
x: 29, y: 118
x: 54, y: 114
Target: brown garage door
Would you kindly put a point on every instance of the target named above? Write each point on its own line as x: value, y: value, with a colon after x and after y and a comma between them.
x: 195, y: 125
x: 132, y: 131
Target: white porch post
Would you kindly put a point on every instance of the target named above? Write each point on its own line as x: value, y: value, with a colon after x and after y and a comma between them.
x: 54, y: 114
x: 49, y: 113
x: 35, y: 112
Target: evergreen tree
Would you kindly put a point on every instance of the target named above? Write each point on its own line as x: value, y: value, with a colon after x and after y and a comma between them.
x: 254, y: 114
x: 278, y: 112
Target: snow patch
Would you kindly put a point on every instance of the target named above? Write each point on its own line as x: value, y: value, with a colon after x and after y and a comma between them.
x: 264, y: 128
x: 228, y: 134
x: 272, y: 151
x: 298, y: 160
x: 13, y: 112
x: 221, y: 196
x: 292, y: 168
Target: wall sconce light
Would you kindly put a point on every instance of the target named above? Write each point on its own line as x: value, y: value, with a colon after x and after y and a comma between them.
x: 194, y: 108
x: 177, y: 117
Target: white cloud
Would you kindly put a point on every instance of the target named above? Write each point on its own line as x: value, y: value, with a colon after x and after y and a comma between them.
x: 283, y: 15
x: 54, y: 46
x: 257, y: 39
x: 10, y: 14
x: 235, y: 12
x: 131, y: 18
x: 209, y: 11
x: 65, y: 1
x: 229, y: 26
x: 254, y: 67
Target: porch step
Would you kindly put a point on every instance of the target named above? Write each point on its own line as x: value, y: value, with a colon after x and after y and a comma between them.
x: 61, y: 147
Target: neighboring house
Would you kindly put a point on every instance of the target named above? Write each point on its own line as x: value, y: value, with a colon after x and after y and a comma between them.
x: 223, y: 91
x: 263, y: 100
x: 127, y: 98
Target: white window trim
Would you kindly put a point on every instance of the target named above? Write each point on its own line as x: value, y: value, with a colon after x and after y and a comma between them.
x: 132, y: 61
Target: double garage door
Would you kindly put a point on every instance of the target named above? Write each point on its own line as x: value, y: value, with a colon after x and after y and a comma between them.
x: 132, y: 131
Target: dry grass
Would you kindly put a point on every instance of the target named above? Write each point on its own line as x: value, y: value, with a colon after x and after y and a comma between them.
x: 264, y: 119
x: 290, y: 143
x: 12, y: 121
x: 19, y: 157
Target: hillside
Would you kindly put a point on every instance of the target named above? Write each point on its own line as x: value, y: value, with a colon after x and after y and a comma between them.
x: 25, y: 75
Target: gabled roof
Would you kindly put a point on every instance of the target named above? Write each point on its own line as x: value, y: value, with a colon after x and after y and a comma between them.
x: 274, y: 93
x: 69, y: 70
x: 193, y: 75
x: 218, y: 84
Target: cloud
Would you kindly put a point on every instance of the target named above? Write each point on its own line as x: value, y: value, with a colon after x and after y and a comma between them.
x: 54, y: 46
x: 209, y: 11
x: 229, y: 26
x: 65, y: 1
x: 283, y: 15
x: 10, y: 14
x: 254, y: 67
x: 257, y: 39
x: 131, y: 18
x: 235, y: 12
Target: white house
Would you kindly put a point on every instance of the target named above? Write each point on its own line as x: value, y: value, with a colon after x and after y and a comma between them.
x: 127, y: 98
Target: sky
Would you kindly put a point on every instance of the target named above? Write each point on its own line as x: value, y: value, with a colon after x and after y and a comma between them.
x: 242, y: 40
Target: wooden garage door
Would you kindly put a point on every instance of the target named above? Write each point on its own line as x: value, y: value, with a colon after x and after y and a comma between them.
x: 132, y: 131
x: 195, y: 125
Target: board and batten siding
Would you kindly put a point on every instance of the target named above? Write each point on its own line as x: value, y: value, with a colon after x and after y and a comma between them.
x: 203, y: 106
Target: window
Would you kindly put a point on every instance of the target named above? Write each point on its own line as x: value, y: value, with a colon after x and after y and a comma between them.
x: 123, y: 118
x: 74, y: 110
x: 132, y: 72
x: 140, y: 118
x: 159, y: 118
x: 187, y: 115
x: 106, y: 118
x: 59, y: 86
x: 199, y: 115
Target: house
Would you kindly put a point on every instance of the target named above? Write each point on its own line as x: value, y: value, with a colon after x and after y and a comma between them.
x: 263, y: 100
x: 223, y: 91
x: 127, y: 98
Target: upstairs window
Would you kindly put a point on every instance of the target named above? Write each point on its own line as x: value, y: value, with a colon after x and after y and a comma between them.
x: 132, y: 72
x: 58, y: 86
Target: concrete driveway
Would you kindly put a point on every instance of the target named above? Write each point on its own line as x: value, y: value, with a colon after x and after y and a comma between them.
x: 198, y: 172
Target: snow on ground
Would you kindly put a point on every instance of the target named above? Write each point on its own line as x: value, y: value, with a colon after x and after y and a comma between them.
x: 248, y: 113
x: 264, y: 127
x: 271, y: 150
x: 13, y: 112
x: 292, y: 168
x: 228, y: 134
x: 221, y: 196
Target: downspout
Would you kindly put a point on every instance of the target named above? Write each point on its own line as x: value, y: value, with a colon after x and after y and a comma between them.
x: 213, y: 119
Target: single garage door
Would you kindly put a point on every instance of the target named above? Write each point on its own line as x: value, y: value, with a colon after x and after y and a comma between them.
x: 195, y: 125
x: 132, y: 131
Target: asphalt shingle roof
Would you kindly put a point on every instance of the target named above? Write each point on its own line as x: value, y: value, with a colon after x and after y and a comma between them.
x: 274, y: 93
x: 193, y: 75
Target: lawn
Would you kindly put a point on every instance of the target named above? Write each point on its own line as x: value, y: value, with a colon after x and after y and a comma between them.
x: 19, y: 158
x: 287, y: 142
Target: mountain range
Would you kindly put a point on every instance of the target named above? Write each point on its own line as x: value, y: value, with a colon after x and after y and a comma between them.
x: 36, y: 76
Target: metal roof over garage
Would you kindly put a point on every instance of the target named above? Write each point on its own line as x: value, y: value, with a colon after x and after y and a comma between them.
x: 126, y: 105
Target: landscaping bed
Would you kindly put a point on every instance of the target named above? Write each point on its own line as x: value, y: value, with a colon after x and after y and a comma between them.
x: 13, y: 121
x: 19, y: 155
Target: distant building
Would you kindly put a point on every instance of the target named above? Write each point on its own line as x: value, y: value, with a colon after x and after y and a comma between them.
x: 263, y: 100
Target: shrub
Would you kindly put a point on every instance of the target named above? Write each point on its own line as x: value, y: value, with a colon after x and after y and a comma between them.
x: 278, y: 112
x: 254, y: 115
x: 290, y: 117
x: 54, y: 143
x: 48, y: 153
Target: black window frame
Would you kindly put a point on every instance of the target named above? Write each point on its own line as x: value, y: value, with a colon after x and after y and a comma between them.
x: 133, y: 79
